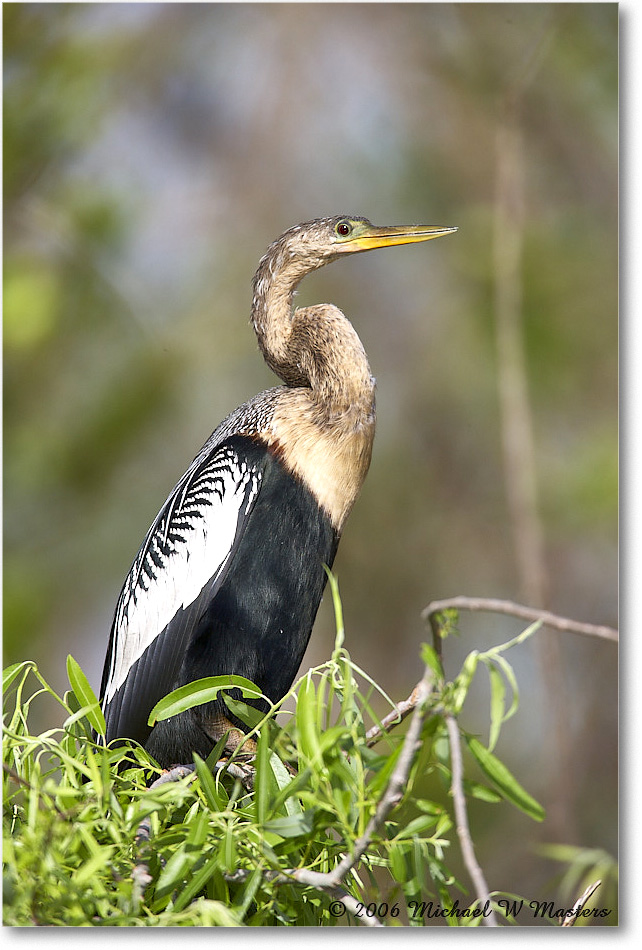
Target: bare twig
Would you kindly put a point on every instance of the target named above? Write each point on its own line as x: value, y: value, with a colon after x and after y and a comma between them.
x: 401, y: 711
x: 396, y: 784
x: 144, y: 831
x: 523, y: 613
x: 245, y: 772
x: 319, y: 880
x: 315, y: 879
x: 461, y: 819
x: 579, y: 904
x: 19, y: 780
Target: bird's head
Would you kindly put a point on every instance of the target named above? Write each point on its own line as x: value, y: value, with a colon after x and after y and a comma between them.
x: 314, y: 243
x: 325, y: 239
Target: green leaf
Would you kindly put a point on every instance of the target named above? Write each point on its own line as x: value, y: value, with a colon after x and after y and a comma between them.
x: 79, y: 714
x: 247, y: 714
x: 511, y: 679
x: 447, y: 621
x: 296, y: 785
x: 217, y: 752
x: 264, y: 778
x: 248, y: 893
x: 520, y: 638
x: 338, y: 610
x: 11, y: 672
x: 173, y: 873
x: 428, y: 807
x: 415, y: 827
x: 463, y: 681
x: 90, y: 868
x: 208, y: 782
x: 197, y: 883
x: 497, y: 704
x: 284, y: 780
x: 85, y: 696
x: 431, y: 659
x: 197, y: 828
x: 229, y: 849
x: 200, y: 691
x: 398, y: 863
x: 306, y: 722
x: 505, y: 781
x: 291, y: 826
x: 484, y: 793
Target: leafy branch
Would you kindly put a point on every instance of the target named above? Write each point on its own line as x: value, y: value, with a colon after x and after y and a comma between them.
x: 309, y: 830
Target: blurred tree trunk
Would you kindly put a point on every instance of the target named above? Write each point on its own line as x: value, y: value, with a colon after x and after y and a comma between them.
x: 519, y: 450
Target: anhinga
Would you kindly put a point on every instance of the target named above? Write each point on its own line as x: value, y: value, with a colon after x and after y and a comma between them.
x: 231, y: 573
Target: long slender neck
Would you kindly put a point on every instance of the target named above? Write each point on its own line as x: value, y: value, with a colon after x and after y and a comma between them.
x: 315, y: 347
x: 275, y: 282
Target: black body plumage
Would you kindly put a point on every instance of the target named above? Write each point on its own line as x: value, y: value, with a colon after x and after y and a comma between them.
x: 254, y: 613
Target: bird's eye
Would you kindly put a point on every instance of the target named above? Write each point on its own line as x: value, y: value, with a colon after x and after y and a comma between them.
x: 344, y: 228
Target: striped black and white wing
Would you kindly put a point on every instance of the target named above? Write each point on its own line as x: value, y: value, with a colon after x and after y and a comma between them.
x: 182, y: 561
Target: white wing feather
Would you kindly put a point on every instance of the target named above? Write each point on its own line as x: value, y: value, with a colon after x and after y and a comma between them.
x: 187, y: 547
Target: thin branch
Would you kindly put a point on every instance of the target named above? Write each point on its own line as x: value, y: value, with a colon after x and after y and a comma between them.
x: 245, y: 772
x: 320, y: 881
x: 461, y: 819
x: 19, y: 780
x: 523, y: 613
x: 144, y: 831
x: 571, y: 920
x: 401, y: 711
x: 316, y: 879
x: 396, y: 784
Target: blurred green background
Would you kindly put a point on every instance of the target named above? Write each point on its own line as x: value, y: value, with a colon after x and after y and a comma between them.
x: 152, y: 151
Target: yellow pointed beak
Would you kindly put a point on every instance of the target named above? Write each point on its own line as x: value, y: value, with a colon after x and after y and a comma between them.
x: 369, y: 236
